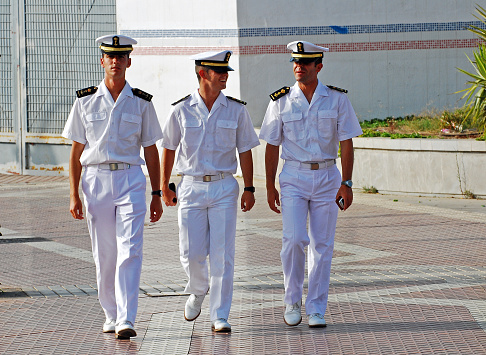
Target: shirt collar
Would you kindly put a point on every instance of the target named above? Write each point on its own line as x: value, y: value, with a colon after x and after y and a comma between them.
x: 103, y: 90
x: 197, y: 99
x: 321, y: 90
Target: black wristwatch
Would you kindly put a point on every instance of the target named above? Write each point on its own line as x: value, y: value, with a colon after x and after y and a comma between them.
x: 348, y: 183
x: 250, y: 188
x: 157, y: 193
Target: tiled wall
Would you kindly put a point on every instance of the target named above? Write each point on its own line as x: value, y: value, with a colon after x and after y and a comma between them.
x: 304, y: 30
x: 390, y: 67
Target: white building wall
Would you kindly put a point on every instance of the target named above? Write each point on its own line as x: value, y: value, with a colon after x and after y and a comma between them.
x: 382, y: 82
x: 160, y: 62
x: 405, y: 67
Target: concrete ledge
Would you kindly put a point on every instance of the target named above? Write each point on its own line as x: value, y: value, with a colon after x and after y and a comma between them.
x: 421, y: 166
x: 437, y: 167
x: 418, y: 166
x: 415, y: 144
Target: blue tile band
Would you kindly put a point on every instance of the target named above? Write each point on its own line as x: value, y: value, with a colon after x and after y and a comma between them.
x: 304, y: 31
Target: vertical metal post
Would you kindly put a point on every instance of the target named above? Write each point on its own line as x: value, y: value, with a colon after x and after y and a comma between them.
x: 23, y: 87
x: 16, y: 119
x: 19, y: 81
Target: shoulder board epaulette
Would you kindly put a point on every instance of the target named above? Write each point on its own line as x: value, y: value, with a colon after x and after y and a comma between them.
x: 239, y: 101
x: 280, y: 93
x: 337, y: 89
x: 85, y: 92
x: 184, y: 98
x: 142, y: 94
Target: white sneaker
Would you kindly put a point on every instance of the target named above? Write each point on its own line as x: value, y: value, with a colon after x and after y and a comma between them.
x: 292, y: 315
x: 193, y: 307
x: 220, y: 325
x: 125, y: 330
x: 109, y: 326
x: 316, y: 320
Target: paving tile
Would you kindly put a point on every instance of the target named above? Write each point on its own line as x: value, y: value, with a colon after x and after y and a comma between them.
x: 407, y: 278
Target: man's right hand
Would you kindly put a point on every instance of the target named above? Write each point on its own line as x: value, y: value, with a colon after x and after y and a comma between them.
x: 273, y: 199
x: 76, y: 207
x: 169, y: 197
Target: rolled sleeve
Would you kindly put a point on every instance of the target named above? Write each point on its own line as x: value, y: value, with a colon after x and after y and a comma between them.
x: 348, y: 125
x: 271, y: 130
x: 246, y: 137
x: 74, y: 128
x: 171, y: 132
x: 151, y: 131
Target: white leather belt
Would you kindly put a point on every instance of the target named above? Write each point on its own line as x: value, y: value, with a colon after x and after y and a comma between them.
x: 311, y: 166
x: 112, y: 166
x: 207, y: 178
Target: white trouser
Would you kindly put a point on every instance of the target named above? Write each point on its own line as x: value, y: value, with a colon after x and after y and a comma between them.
x: 308, y: 192
x: 115, y: 211
x: 207, y: 226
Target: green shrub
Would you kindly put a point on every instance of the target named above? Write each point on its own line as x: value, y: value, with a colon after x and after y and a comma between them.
x: 475, y: 94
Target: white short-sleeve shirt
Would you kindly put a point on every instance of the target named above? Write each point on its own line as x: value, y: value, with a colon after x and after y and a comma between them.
x: 208, y: 141
x: 310, y: 132
x: 112, y: 131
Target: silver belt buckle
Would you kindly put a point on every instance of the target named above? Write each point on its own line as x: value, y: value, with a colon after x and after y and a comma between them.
x: 314, y: 166
x: 207, y: 178
x: 113, y: 166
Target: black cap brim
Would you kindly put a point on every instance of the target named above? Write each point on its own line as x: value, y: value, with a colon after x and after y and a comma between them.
x: 221, y: 69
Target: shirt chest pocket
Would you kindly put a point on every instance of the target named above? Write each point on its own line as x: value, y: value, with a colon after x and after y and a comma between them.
x: 226, y: 133
x: 293, y: 126
x: 130, y: 126
x: 95, y: 126
x: 327, y: 123
x: 192, y: 132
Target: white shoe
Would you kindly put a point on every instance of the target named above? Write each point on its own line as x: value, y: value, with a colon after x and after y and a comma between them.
x: 109, y: 326
x: 220, y: 325
x: 292, y: 315
x: 125, y: 330
x: 316, y: 320
x: 193, y: 307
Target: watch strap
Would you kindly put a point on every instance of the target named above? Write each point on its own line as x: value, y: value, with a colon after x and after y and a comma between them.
x: 347, y: 183
x: 157, y: 193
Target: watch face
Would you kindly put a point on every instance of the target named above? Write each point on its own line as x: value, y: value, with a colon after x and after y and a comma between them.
x: 348, y: 183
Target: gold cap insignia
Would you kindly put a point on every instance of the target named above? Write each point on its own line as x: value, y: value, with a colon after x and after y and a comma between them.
x: 300, y: 47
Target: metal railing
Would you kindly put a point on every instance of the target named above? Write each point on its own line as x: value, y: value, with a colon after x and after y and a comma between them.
x: 61, y: 56
x: 6, y: 110
x: 47, y: 52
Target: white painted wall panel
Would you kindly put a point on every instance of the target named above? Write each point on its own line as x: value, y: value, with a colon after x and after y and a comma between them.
x: 171, y: 14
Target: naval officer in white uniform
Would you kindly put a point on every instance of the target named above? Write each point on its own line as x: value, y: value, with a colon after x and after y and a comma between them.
x: 108, y: 125
x: 309, y: 120
x: 208, y: 127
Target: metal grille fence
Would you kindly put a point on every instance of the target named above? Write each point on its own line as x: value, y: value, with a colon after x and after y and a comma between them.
x: 61, y: 56
x: 6, y: 110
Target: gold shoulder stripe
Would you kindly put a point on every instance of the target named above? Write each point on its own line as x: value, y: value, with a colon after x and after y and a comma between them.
x: 337, y: 89
x: 279, y: 93
x: 239, y: 101
x: 142, y: 94
x: 85, y: 92
x: 184, y: 98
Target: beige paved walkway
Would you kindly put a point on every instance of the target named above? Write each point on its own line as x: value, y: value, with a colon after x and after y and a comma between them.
x: 408, y: 277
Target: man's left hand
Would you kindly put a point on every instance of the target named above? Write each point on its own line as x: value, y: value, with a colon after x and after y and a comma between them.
x: 156, y: 209
x: 347, y: 194
x: 247, y: 201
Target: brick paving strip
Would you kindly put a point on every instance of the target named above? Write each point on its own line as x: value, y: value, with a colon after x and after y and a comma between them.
x: 406, y: 278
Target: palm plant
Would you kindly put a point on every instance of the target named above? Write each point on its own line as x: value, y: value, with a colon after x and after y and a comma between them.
x: 475, y: 94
